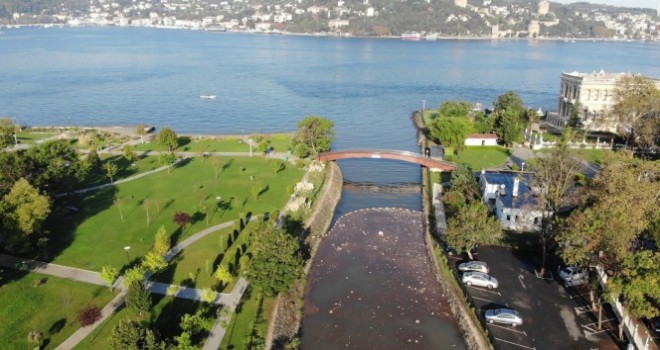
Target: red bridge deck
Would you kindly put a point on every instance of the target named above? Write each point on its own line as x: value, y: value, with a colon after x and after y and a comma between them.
x: 410, y: 157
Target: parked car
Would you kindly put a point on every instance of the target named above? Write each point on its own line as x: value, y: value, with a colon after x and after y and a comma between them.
x: 573, y: 273
x: 479, y: 279
x: 504, y: 316
x: 474, y: 265
x: 653, y: 325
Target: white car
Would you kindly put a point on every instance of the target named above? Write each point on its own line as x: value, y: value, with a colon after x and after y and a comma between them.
x: 478, y: 266
x: 572, y: 273
x: 474, y: 278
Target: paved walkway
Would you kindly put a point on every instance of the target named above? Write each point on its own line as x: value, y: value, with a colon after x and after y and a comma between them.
x: 83, y: 332
x: 218, y: 331
x: 71, y: 273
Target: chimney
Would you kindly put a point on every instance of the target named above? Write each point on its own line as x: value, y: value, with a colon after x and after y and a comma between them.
x: 516, y: 184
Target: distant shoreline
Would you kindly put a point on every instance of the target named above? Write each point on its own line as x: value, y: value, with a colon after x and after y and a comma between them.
x: 330, y: 35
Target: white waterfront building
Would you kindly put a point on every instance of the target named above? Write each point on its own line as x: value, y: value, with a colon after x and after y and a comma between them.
x: 594, y: 92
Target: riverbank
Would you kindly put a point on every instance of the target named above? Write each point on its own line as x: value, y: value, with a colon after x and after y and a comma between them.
x: 473, y: 334
x: 332, y: 35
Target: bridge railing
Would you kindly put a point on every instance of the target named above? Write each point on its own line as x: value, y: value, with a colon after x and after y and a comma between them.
x: 387, y: 151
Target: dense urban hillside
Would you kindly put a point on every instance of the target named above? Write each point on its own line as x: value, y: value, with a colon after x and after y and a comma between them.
x: 430, y: 18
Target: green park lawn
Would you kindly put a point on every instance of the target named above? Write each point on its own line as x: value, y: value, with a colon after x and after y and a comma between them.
x: 480, y: 157
x: 28, y: 137
x: 595, y: 156
x: 51, y: 307
x: 247, y: 316
x: 166, y: 314
x: 190, y: 267
x: 280, y: 142
x: 96, y: 235
x: 125, y: 169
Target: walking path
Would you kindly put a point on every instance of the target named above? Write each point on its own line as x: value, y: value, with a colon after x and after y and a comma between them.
x: 219, y: 328
x: 71, y: 273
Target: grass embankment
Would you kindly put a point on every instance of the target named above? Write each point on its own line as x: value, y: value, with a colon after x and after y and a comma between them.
x: 96, y: 235
x: 166, y: 314
x: 279, y: 142
x: 37, y: 302
x: 481, y: 157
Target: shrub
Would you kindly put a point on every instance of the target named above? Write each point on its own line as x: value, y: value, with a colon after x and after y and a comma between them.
x: 301, y: 150
x: 89, y: 315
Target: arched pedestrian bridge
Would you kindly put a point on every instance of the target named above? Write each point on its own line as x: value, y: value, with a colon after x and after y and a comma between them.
x: 410, y: 157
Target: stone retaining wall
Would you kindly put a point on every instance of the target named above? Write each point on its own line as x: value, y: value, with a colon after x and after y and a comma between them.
x: 473, y: 336
x: 286, y: 318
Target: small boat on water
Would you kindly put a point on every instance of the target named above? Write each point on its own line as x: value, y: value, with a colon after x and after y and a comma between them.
x: 411, y: 36
x: 207, y: 97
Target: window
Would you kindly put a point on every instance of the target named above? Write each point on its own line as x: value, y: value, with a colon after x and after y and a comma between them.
x: 536, y: 220
x: 596, y: 96
x: 508, y: 218
x: 605, y: 95
x: 588, y: 95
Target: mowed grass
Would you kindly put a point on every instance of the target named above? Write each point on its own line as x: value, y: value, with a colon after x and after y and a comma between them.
x: 479, y: 157
x: 280, y: 143
x: 96, y: 235
x: 245, y: 318
x: 51, y: 308
x: 166, y: 313
x: 32, y: 137
x: 125, y: 169
x: 595, y: 156
x: 192, y: 261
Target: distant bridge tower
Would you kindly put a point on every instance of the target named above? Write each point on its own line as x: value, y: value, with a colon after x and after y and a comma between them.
x: 460, y: 3
x: 544, y: 7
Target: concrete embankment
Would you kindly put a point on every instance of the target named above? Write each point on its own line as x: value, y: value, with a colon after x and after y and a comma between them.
x: 473, y: 335
x: 286, y: 318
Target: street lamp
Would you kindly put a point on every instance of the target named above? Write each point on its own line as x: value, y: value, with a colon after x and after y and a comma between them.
x: 127, y: 248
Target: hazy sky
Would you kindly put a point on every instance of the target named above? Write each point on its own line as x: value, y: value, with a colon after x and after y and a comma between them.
x: 626, y: 3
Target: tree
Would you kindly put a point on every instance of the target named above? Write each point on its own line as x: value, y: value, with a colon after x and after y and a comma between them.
x: 509, y: 101
x: 472, y: 225
x: 223, y: 274
x: 451, y: 109
x: 35, y: 338
x: 620, y: 206
x: 637, y: 283
x: 168, y: 138
x: 134, y: 275
x: 109, y: 275
x: 574, y: 120
x: 181, y: 219
x: 509, y: 126
x: 162, y: 242
x: 463, y: 180
x: 167, y: 159
x: 154, y: 262
x: 208, y: 295
x: 53, y: 166
x: 110, y: 170
x: 7, y: 131
x: 635, y: 96
x: 451, y: 131
x: 141, y: 130
x: 138, y: 299
x: 129, y: 154
x: 316, y: 133
x: 276, y: 260
x: 93, y: 162
x: 130, y: 335
x: 89, y: 315
x: 553, y: 176
x: 22, y: 213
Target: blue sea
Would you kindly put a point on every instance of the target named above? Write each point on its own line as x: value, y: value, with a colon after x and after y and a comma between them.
x: 369, y: 87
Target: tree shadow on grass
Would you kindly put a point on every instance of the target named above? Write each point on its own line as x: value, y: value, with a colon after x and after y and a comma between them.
x: 63, y: 222
x: 57, y: 326
x: 227, y: 165
x: 182, y: 163
x: 183, y: 143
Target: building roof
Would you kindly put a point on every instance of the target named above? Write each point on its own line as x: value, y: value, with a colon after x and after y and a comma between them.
x: 525, y: 198
x: 482, y: 136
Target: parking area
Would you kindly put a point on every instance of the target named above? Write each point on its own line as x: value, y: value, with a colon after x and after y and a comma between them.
x: 555, y: 317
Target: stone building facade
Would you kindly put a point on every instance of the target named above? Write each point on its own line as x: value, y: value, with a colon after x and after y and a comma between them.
x: 544, y: 7
x: 594, y: 92
x: 460, y: 3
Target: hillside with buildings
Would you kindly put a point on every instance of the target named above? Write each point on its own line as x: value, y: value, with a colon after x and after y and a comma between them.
x: 415, y: 19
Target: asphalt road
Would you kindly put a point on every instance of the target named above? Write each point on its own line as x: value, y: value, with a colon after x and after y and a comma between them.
x: 555, y: 317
